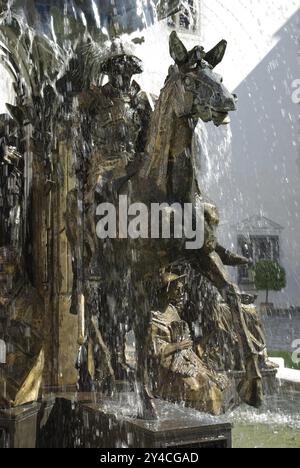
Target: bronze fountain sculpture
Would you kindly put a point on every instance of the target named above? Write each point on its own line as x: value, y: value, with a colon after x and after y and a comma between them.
x: 121, y: 146
x: 159, y: 169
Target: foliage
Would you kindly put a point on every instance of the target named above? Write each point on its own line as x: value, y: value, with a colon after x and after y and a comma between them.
x: 269, y: 276
x: 288, y: 361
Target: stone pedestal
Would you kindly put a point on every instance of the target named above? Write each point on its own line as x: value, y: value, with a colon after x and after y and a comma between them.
x: 18, y: 426
x: 60, y: 420
x: 76, y: 421
x: 177, y: 428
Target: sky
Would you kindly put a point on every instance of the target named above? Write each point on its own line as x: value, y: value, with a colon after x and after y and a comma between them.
x: 249, y: 26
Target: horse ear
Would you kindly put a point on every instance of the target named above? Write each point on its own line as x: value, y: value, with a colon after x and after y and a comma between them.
x: 178, y: 50
x: 216, y: 55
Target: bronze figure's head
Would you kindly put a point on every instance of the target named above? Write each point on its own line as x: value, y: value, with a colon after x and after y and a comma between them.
x: 173, y: 288
x: 121, y: 65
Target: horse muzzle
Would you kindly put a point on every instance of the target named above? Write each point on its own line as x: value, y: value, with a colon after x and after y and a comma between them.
x: 220, y: 118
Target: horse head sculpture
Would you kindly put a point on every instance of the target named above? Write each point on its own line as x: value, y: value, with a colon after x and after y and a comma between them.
x: 192, y: 92
x: 203, y: 94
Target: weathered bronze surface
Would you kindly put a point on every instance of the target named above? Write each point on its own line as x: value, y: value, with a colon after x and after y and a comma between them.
x: 21, y: 309
x: 178, y: 373
x: 21, y: 328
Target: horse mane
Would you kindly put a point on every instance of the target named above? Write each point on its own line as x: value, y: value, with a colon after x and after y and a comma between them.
x: 160, y: 134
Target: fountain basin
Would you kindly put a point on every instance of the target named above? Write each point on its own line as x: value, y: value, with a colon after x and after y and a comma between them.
x: 81, y: 422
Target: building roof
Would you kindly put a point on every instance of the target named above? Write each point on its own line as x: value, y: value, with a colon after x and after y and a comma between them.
x: 259, y: 225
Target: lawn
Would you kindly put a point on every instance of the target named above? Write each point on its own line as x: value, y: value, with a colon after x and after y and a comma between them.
x: 287, y: 359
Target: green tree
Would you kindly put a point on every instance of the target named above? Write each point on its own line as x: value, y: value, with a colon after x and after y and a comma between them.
x: 269, y: 276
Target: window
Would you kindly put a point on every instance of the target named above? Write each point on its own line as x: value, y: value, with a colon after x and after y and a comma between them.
x: 257, y: 248
x: 188, y: 18
x: 244, y: 275
x: 266, y: 248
